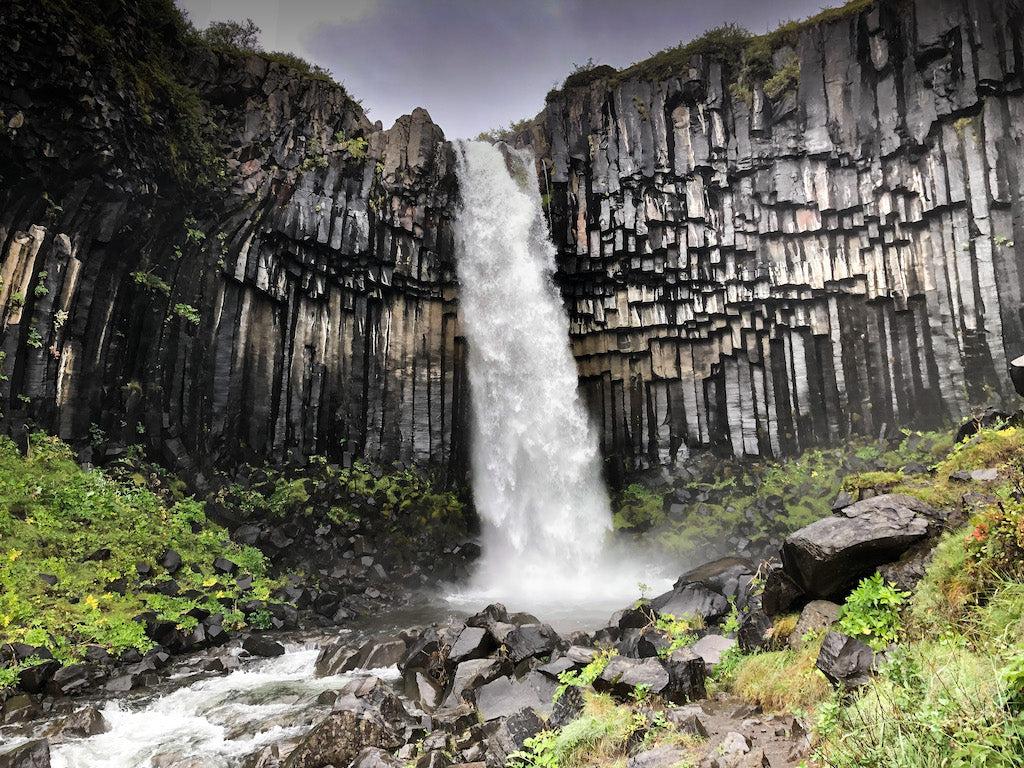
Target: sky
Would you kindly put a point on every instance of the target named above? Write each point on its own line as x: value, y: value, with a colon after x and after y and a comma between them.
x: 480, y: 64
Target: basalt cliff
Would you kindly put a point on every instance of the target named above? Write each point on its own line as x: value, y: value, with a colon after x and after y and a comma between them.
x: 753, y: 263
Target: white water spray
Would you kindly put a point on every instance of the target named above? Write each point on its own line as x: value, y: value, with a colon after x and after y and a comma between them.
x: 535, y: 464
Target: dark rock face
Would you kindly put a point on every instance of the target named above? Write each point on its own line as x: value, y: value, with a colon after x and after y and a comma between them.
x: 753, y: 277
x: 322, y: 279
x: 831, y: 555
x: 762, y: 275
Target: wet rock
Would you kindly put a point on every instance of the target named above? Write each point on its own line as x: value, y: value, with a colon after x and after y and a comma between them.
x: 422, y: 651
x: 780, y: 592
x: 845, y: 660
x: 88, y: 721
x: 381, y: 652
x: 505, y: 696
x: 21, y: 708
x: 261, y: 645
x: 511, y: 735
x: 530, y: 640
x: 473, y: 643
x: 336, y: 659
x: 340, y: 738
x: 33, y: 754
x: 374, y: 757
x: 831, y: 555
x: 34, y: 678
x: 817, y: 616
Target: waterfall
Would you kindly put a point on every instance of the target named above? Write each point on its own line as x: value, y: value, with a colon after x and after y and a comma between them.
x: 535, y: 465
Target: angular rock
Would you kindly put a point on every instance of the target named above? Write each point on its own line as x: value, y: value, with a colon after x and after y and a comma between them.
x: 336, y: 659
x: 829, y: 556
x: 375, y: 757
x: 381, y: 652
x: 33, y: 754
x: 711, y: 647
x: 473, y: 643
x: 261, y: 645
x: 88, y: 721
x: 691, y: 599
x: 817, y: 616
x: 423, y: 689
x: 530, y: 640
x: 338, y: 739
x: 472, y: 674
x: 511, y: 735
x: 845, y: 660
x: 505, y: 696
x: 686, y: 671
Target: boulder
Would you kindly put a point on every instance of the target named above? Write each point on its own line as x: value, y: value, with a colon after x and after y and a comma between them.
x: 755, y: 631
x: 660, y: 757
x: 381, y: 652
x: 505, y: 696
x: 691, y: 599
x: 73, y: 679
x: 817, y: 616
x: 375, y: 757
x: 21, y: 708
x: 710, y: 648
x: 261, y: 645
x: 686, y: 676
x: 845, y: 661
x: 511, y: 735
x: 623, y: 676
x: 32, y: 754
x: 423, y: 689
x: 81, y: 724
x: 472, y: 674
x: 338, y: 739
x: 728, y: 576
x: 567, y: 707
x: 829, y: 556
x: 473, y: 643
x: 34, y: 678
x: 530, y: 640
x: 422, y: 651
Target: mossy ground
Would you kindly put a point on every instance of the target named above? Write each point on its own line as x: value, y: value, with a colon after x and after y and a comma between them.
x: 85, y: 532
x: 767, y: 500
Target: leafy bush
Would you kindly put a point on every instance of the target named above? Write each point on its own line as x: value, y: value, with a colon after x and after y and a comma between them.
x: 872, y: 612
x: 586, y: 676
x: 88, y: 531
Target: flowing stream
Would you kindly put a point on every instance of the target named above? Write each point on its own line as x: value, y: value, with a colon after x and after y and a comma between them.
x: 536, y: 471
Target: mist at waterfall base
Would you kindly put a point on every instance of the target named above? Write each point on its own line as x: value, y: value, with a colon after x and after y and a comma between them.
x: 535, y: 464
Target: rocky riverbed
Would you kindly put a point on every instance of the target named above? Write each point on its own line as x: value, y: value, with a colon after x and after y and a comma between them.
x: 393, y: 691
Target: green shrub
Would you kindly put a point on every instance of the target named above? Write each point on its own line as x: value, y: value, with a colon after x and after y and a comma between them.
x: 872, y: 612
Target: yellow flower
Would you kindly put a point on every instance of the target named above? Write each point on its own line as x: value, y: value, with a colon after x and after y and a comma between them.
x: 92, y: 602
x: 8, y: 620
x: 14, y: 554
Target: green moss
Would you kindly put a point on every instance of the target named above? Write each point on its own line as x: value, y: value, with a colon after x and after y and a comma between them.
x: 88, y: 530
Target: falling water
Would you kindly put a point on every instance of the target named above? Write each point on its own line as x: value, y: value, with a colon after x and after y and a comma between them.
x: 535, y: 464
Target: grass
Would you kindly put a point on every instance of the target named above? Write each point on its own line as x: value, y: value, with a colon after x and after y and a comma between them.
x: 88, y: 531
x: 783, y: 681
x: 604, y: 733
x: 952, y: 693
x: 771, y: 498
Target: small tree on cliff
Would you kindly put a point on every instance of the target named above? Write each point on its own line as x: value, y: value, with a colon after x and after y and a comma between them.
x: 238, y: 37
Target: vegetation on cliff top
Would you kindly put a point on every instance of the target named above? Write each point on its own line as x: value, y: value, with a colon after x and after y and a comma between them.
x: 746, y: 58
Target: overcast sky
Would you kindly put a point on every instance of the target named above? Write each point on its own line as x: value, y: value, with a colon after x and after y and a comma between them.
x: 480, y: 64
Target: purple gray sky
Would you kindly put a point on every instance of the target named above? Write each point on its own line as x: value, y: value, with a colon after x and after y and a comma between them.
x: 480, y: 64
